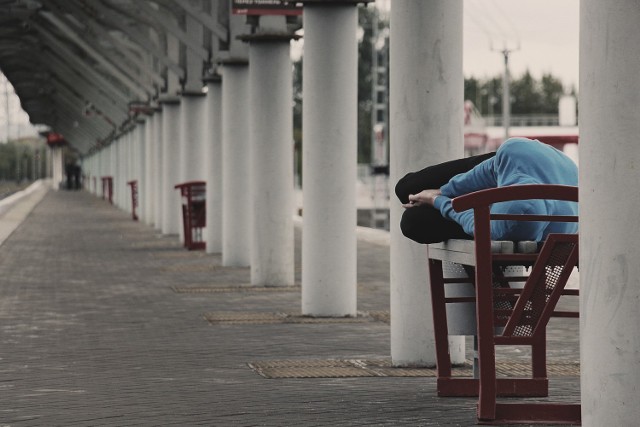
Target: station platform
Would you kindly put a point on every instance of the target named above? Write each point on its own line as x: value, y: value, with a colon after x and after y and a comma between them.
x: 105, y: 322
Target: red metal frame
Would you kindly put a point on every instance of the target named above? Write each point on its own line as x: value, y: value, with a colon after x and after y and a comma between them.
x: 134, y: 198
x: 193, y: 213
x: 524, y: 324
x: 107, y: 188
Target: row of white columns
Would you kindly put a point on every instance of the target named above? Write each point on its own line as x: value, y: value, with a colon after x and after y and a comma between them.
x: 207, y: 137
x: 246, y: 161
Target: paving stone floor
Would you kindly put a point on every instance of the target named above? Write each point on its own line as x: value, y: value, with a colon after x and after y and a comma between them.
x: 94, y: 333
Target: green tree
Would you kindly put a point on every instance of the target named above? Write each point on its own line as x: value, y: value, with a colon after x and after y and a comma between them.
x: 473, y: 92
x: 526, y: 95
x: 366, y: 19
x: 7, y: 161
x: 552, y: 89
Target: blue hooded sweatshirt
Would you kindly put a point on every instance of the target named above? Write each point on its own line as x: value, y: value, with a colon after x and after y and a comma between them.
x: 517, y: 161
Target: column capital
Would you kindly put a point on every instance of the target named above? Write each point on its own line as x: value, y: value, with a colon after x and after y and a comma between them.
x: 334, y: 2
x: 191, y: 93
x: 268, y: 37
x: 212, y: 78
x: 234, y: 62
x: 166, y: 98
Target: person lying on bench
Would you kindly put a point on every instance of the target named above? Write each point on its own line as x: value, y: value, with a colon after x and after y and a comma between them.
x: 426, y: 195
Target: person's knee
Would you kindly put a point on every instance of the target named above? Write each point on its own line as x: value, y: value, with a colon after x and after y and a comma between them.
x: 417, y: 224
x: 424, y: 224
x: 410, y: 226
x: 402, y: 188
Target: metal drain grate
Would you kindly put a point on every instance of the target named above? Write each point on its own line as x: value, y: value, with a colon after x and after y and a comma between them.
x: 239, y: 318
x: 156, y: 244
x: 179, y: 254
x: 238, y: 288
x: 191, y: 268
x: 336, y: 368
x: 346, y: 368
x: 243, y: 318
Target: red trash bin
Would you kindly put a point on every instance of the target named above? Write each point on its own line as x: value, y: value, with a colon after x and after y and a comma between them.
x: 134, y: 198
x: 107, y: 188
x: 194, y: 214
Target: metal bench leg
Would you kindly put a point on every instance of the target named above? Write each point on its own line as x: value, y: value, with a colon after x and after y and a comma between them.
x: 440, y: 326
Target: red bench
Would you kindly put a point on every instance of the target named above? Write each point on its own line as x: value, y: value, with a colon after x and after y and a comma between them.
x: 506, y: 314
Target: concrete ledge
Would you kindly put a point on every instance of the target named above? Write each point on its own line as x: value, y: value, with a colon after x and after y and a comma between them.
x: 365, y: 234
x: 15, y: 208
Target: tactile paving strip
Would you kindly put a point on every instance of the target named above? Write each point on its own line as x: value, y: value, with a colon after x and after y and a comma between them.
x: 243, y: 318
x: 156, y: 244
x: 192, y: 268
x: 381, y: 316
x: 179, y: 254
x: 345, y: 368
x: 238, y: 288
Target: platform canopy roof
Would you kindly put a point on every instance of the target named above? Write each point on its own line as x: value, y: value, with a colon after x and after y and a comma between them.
x: 88, y: 69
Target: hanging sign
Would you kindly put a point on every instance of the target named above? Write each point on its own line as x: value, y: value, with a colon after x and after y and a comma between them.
x: 265, y: 7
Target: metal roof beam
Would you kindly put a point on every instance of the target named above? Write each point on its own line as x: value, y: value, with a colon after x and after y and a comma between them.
x: 100, y: 30
x: 115, y: 18
x: 113, y: 70
x: 69, y: 75
x: 80, y: 65
x: 172, y: 27
x: 113, y: 113
x: 210, y: 22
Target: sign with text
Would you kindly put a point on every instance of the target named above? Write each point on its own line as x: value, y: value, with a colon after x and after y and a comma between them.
x: 265, y: 7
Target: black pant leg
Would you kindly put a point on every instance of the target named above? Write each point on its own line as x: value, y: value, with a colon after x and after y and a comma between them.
x: 436, y: 176
x: 425, y: 224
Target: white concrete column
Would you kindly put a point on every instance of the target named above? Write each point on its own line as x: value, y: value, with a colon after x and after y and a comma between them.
x: 132, y: 160
x: 117, y: 166
x: 127, y: 162
x: 158, y: 171
x: 113, y: 169
x: 140, y: 166
x: 271, y: 168
x: 125, y: 171
x: 147, y: 199
x: 330, y: 82
x: 191, y: 141
x: 609, y: 176
x: 93, y: 172
x: 57, y: 166
x: 213, y: 170
x: 426, y: 110
x: 236, y: 193
x: 171, y: 202
x: 87, y: 170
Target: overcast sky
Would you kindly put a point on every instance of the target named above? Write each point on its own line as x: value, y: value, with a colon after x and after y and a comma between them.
x: 542, y: 33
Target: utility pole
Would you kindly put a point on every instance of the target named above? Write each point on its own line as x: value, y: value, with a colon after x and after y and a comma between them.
x: 506, y: 101
x: 506, y: 96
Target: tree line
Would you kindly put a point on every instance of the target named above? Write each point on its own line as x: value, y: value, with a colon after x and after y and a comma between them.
x: 528, y: 94
x: 21, y: 162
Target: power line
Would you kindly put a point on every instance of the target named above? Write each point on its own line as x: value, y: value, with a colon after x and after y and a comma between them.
x: 479, y: 17
x: 507, y: 19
